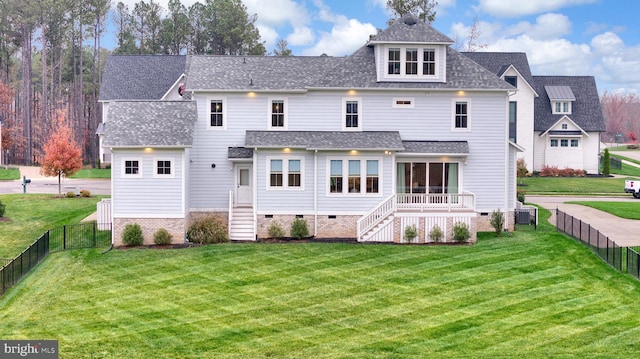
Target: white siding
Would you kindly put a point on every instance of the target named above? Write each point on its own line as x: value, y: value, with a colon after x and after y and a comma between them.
x: 429, y: 119
x: 148, y: 196
x: 525, y: 98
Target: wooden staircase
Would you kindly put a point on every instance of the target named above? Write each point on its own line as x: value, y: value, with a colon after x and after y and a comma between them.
x: 241, y: 225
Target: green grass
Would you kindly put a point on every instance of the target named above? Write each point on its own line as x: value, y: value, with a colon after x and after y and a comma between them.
x: 573, y: 185
x: 31, y: 215
x: 93, y: 173
x: 533, y: 295
x: 9, y: 174
x: 628, y: 210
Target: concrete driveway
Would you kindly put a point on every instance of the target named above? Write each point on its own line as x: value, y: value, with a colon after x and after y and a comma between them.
x: 625, y: 232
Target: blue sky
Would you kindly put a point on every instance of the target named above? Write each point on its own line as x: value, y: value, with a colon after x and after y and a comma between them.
x: 560, y: 37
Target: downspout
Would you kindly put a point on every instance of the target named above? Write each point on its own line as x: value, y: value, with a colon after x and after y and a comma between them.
x: 507, y: 161
x: 315, y: 193
x: 254, y: 190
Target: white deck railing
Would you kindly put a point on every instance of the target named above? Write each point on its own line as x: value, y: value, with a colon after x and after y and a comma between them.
x: 376, y: 215
x: 428, y: 201
x: 414, y: 202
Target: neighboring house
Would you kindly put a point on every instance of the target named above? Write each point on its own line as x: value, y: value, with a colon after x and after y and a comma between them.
x: 404, y: 131
x: 568, y: 123
x: 138, y: 78
x: 557, y: 120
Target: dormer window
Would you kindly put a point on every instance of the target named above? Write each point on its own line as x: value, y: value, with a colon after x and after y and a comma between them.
x: 562, y: 107
x: 413, y: 63
x: 561, y: 98
x: 394, y: 61
x: 429, y: 62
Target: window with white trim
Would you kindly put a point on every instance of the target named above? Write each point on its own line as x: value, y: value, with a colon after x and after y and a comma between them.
x: 564, y: 142
x: 163, y: 167
x: 561, y: 107
x: 574, y: 142
x: 411, y: 63
x: 285, y: 173
x: 216, y: 113
x: 132, y: 167
x: 394, y: 61
x: 277, y: 114
x: 429, y: 62
x: 352, y: 113
x: 461, y: 114
x: 361, y: 176
x: 554, y: 142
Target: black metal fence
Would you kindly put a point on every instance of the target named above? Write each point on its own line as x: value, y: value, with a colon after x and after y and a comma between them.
x: 83, y: 235
x: 623, y: 259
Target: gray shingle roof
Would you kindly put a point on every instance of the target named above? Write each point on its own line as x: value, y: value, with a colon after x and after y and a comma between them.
x: 140, y: 77
x: 358, y: 71
x: 325, y: 140
x: 499, y: 62
x: 239, y: 153
x: 410, y: 29
x: 449, y: 147
x: 150, y: 124
x: 585, y: 110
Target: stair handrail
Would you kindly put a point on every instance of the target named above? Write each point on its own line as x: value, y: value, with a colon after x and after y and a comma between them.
x: 376, y: 215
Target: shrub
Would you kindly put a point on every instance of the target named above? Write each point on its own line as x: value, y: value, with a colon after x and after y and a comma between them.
x: 162, y: 236
x: 299, y: 228
x: 132, y: 235
x: 410, y: 233
x: 521, y: 195
x: 3, y: 207
x: 275, y: 230
x: 521, y: 168
x: 549, y: 171
x: 461, y: 232
x: 207, y: 230
x: 70, y: 194
x: 436, y: 234
x: 497, y: 221
x: 606, y: 163
x: 85, y: 193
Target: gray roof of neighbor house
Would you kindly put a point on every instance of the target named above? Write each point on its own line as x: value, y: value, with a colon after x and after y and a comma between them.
x: 585, y: 110
x: 325, y: 140
x: 499, y: 62
x: 150, y: 124
x: 450, y: 147
x: 140, y: 77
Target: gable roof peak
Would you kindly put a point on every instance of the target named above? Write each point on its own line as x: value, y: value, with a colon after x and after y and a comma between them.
x: 409, y: 28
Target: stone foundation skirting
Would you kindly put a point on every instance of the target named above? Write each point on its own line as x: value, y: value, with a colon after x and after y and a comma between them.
x: 175, y: 226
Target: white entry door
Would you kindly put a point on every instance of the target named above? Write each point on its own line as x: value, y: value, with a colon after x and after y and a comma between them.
x: 244, y: 192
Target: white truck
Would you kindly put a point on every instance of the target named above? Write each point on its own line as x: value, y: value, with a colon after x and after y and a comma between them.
x: 632, y: 186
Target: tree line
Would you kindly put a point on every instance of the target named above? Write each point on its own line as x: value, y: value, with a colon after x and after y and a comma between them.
x: 52, y: 57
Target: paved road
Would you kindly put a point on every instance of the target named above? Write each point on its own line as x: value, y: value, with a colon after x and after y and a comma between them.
x: 625, y: 232
x: 41, y: 184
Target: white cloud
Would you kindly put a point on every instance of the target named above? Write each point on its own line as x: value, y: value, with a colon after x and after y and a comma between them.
x: 502, y: 8
x: 547, y: 26
x: 344, y: 38
x: 549, y: 57
x: 607, y: 43
x: 277, y: 13
x: 301, y: 36
x: 269, y: 35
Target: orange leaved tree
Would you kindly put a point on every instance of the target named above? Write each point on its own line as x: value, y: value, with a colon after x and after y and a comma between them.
x: 62, y: 155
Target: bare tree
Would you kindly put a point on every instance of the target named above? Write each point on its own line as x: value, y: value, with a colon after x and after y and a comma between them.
x: 474, y: 36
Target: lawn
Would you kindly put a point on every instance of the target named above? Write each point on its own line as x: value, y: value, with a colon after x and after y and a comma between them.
x: 104, y: 173
x: 30, y: 215
x: 9, y: 174
x: 532, y: 295
x: 573, y: 185
x: 628, y: 210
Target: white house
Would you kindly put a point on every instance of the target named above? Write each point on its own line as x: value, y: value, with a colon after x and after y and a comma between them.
x: 404, y: 131
x: 557, y: 120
